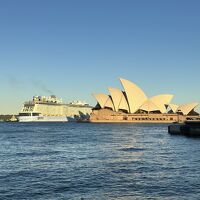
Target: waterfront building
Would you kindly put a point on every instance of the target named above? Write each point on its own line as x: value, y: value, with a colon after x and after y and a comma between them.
x: 133, y: 105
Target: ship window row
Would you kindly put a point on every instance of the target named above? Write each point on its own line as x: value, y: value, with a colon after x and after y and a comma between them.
x: 29, y: 114
x: 35, y: 114
x: 24, y: 114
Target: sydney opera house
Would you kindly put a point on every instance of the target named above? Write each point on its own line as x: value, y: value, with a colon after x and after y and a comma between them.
x: 132, y: 105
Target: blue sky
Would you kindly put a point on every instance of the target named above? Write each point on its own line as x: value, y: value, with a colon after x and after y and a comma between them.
x: 74, y: 48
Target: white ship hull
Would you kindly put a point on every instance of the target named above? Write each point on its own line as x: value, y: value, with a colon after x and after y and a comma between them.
x: 42, y: 119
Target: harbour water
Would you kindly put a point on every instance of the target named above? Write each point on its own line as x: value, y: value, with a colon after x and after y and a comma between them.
x: 61, y: 161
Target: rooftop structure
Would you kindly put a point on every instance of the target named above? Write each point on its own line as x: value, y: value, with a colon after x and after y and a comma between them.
x: 44, y: 99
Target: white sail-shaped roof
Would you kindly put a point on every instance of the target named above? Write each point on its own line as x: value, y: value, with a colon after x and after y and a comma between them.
x: 135, y: 95
x: 161, y: 100
x: 186, y: 108
x: 173, y: 107
x: 149, y: 106
x: 119, y: 99
x: 104, y: 100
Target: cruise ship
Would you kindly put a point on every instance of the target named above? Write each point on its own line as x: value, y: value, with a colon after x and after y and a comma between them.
x: 52, y: 109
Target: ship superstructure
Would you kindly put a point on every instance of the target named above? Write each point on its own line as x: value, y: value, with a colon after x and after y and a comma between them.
x: 42, y: 108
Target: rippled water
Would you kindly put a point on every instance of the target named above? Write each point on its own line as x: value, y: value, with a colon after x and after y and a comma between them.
x: 97, y: 161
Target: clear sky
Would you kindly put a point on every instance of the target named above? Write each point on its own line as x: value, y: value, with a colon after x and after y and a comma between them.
x: 73, y: 48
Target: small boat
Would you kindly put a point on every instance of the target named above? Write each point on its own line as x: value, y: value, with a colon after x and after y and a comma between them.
x: 12, y: 119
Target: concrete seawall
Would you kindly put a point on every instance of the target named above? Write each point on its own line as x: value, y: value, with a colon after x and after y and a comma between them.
x: 189, y: 128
